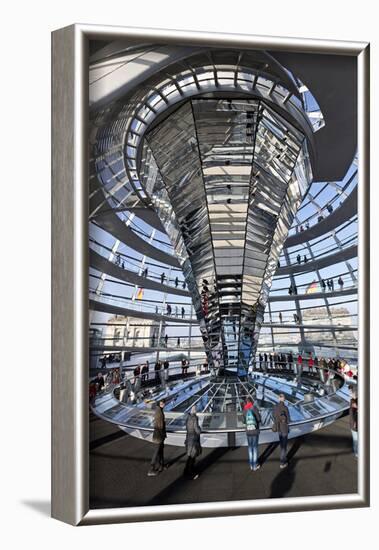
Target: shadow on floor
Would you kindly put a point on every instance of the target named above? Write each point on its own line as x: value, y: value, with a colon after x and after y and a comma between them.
x: 284, y: 481
x: 267, y: 453
x: 106, y: 439
x: 181, y: 481
x: 176, y: 459
x: 294, y: 448
x: 43, y: 507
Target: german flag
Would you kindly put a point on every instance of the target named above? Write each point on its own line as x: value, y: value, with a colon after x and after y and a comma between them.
x: 313, y: 287
x: 139, y: 295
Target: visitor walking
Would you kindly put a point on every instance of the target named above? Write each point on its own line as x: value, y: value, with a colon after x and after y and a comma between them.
x: 192, y: 443
x: 290, y: 360
x: 186, y: 365
x: 281, y: 421
x: 136, y: 373
x: 166, y: 365
x: 157, y: 369
x: 252, y: 420
x: 159, y: 435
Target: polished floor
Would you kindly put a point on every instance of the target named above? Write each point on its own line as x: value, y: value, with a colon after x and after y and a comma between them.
x: 320, y: 464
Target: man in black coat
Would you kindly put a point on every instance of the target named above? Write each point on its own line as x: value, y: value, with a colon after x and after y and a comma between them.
x: 281, y: 420
x: 193, y: 446
x: 159, y: 435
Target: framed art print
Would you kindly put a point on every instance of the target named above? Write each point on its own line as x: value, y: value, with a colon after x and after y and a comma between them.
x: 210, y: 274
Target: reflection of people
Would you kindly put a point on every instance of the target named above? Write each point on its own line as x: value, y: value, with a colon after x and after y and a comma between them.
x: 92, y: 391
x: 136, y: 372
x: 282, y: 419
x: 99, y: 381
x: 354, y: 420
x: 145, y: 373
x: 157, y: 369
x: 192, y: 443
x: 159, y: 435
x: 252, y: 420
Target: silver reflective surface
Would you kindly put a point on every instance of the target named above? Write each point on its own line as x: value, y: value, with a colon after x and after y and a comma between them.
x: 226, y: 177
x: 313, y: 402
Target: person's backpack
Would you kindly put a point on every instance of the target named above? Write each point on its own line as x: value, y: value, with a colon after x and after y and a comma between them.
x: 251, y: 421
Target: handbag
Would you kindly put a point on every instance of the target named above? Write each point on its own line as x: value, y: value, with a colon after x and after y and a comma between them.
x: 274, y: 426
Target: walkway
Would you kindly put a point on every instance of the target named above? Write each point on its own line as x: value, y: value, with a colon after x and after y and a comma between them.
x: 342, y: 214
x: 319, y: 263
x: 321, y: 463
x: 111, y: 223
x: 104, y: 307
x: 105, y: 266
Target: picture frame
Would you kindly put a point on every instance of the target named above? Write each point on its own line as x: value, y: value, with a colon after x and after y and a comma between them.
x: 70, y: 355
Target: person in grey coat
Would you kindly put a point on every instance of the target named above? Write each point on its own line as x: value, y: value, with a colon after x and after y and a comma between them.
x: 192, y: 443
x: 281, y: 421
x: 159, y: 435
